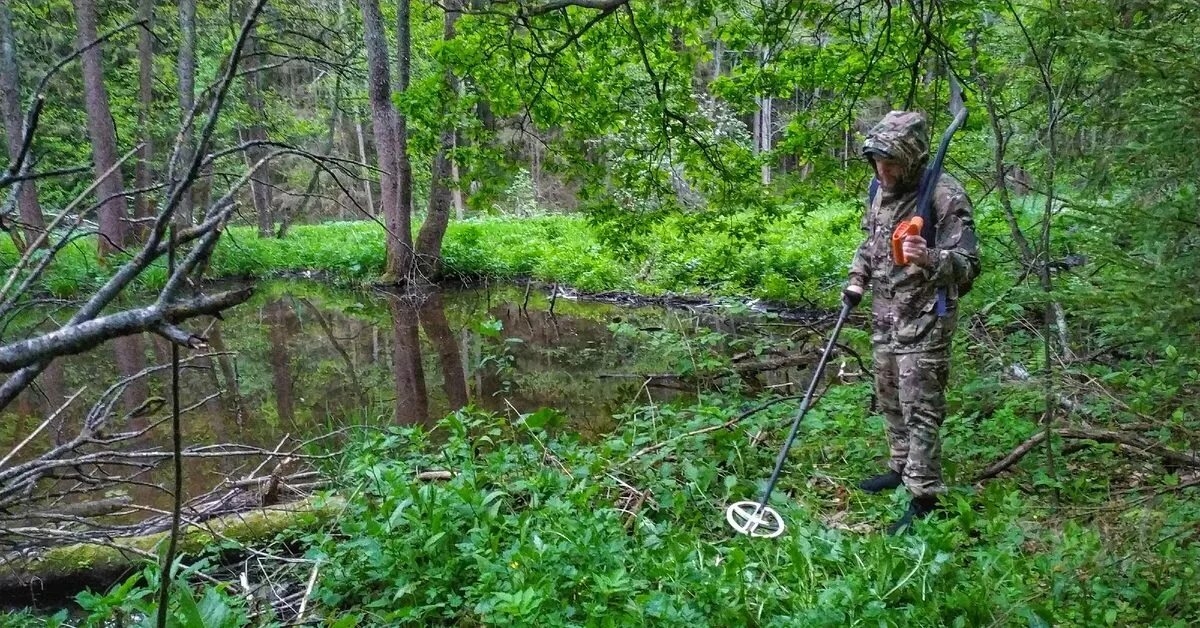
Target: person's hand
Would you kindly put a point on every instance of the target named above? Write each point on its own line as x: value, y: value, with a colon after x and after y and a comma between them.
x: 917, y: 252
x: 852, y: 294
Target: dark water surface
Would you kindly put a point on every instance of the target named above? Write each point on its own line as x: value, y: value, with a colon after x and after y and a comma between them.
x: 301, y: 360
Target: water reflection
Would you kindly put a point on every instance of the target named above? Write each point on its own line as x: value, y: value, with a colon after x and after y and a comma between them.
x: 302, y: 360
x: 412, y: 399
x: 432, y: 314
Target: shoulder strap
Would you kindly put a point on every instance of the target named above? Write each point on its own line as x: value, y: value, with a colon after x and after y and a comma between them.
x: 872, y: 189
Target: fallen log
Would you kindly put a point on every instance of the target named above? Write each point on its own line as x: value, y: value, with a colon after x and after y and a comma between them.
x: 62, y: 570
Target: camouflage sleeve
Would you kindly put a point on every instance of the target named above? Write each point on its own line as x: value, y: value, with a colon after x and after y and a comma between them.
x: 956, y: 252
x: 860, y: 266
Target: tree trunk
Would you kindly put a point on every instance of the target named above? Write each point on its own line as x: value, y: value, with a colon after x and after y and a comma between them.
x: 764, y: 119
x: 260, y: 185
x: 362, y: 156
x: 114, y: 225
x: 143, y: 203
x: 460, y: 206
x: 429, y: 242
x: 437, y: 329
x: 187, y: 97
x: 412, y: 401
x: 998, y: 158
x: 14, y: 126
x: 404, y: 178
x: 483, y: 108
x: 383, y: 123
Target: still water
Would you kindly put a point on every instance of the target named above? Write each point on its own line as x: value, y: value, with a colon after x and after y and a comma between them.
x: 300, y: 360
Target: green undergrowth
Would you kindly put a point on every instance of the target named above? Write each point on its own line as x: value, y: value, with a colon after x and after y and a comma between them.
x: 538, y: 527
x: 793, y: 259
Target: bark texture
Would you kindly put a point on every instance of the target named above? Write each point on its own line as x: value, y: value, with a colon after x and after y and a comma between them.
x: 14, y: 126
x: 113, y: 215
x: 385, y: 131
x: 429, y: 242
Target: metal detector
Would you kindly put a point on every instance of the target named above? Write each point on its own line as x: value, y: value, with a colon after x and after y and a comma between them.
x: 757, y: 518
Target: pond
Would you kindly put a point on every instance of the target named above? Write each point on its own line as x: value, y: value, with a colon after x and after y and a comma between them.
x: 301, y: 360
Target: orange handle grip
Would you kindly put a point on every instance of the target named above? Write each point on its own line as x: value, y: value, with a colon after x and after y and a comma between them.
x: 906, y: 228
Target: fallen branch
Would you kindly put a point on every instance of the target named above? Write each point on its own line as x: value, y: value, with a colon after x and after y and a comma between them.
x: 712, y: 428
x: 159, y: 318
x: 1125, y: 440
x: 429, y: 476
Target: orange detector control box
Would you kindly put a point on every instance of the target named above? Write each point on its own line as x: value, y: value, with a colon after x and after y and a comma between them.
x: 909, y: 227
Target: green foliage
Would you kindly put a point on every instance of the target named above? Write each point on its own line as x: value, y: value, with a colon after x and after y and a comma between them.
x: 533, y: 528
x: 134, y: 602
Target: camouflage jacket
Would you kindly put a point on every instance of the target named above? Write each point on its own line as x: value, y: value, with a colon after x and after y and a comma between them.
x: 904, y: 298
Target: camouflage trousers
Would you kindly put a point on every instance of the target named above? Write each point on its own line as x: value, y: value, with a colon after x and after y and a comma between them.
x: 910, y: 388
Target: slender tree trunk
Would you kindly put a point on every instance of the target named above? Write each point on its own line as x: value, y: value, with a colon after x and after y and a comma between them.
x: 483, y: 109
x: 362, y: 156
x: 460, y: 207
x: 187, y: 95
x: 404, y: 177
x: 260, y: 185
x: 1048, y: 288
x: 998, y: 157
x: 14, y: 127
x: 383, y: 123
x: 143, y: 202
x: 764, y: 118
x: 437, y: 329
x: 114, y: 225
x: 429, y: 242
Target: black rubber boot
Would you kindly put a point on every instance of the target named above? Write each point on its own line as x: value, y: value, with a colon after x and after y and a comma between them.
x: 918, y: 508
x: 883, y: 482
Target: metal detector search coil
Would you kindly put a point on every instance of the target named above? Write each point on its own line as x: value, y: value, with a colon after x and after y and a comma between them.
x: 753, y: 519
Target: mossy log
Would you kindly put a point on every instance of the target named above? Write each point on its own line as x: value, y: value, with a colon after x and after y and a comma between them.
x: 63, y: 570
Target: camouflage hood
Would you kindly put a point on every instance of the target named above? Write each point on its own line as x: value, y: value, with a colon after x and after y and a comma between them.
x: 901, y: 136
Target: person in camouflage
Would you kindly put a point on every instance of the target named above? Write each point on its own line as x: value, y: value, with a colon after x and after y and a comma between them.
x: 911, y: 341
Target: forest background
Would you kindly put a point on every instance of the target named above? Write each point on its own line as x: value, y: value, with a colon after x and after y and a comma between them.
x: 652, y: 148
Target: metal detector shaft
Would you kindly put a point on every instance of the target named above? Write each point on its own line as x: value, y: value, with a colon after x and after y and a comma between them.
x: 805, y: 404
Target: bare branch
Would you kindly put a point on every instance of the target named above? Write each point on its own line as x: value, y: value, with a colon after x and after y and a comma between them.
x: 555, y: 5
x: 80, y: 337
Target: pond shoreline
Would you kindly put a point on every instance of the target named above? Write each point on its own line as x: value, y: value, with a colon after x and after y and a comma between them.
x: 812, y: 315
